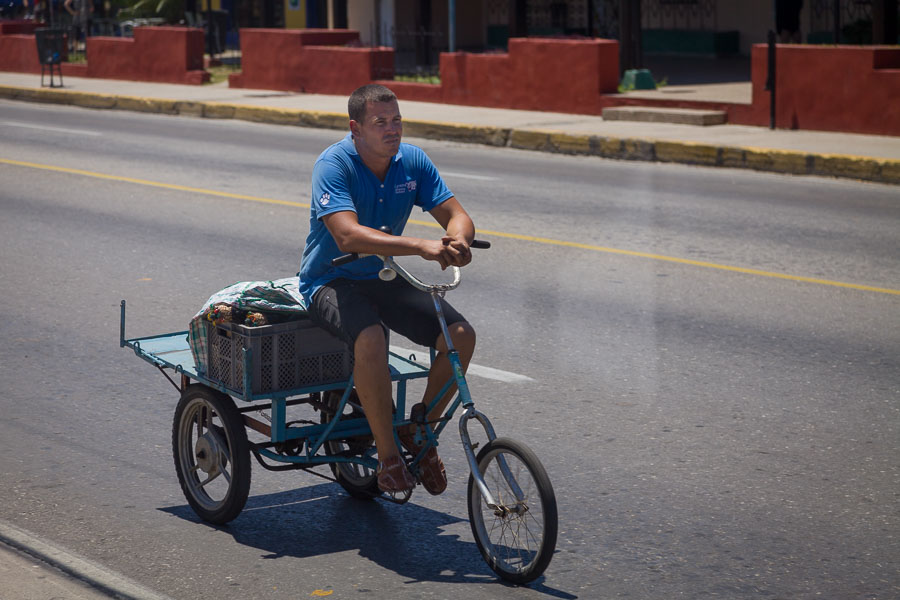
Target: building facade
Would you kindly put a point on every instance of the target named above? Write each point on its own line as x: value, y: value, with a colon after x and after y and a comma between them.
x: 419, y: 29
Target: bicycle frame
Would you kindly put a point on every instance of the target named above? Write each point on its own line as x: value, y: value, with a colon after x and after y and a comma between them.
x: 463, y: 397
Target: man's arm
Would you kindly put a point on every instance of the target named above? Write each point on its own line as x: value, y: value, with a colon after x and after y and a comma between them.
x: 350, y: 236
x: 459, y: 227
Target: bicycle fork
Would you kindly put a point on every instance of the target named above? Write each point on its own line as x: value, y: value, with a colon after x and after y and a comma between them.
x: 469, y: 414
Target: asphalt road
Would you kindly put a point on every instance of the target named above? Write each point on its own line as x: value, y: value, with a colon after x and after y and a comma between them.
x: 713, y: 354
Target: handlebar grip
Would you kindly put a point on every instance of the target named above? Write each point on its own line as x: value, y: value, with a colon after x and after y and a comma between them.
x: 343, y: 260
x: 484, y: 245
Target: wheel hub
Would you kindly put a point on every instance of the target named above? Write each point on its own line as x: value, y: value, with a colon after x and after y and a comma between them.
x: 518, y: 509
x: 209, y: 452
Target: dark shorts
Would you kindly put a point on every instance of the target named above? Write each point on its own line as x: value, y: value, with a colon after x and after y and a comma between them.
x: 346, y: 307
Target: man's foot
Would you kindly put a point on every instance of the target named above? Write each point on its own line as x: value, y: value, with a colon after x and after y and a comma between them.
x: 431, y: 469
x: 393, y: 476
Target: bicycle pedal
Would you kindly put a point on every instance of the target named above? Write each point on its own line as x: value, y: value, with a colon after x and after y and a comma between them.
x: 417, y: 413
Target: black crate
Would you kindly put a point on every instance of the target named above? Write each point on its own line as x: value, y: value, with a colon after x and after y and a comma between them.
x: 286, y: 356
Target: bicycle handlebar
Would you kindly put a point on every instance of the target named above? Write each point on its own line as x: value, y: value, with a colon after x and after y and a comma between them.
x: 391, y: 269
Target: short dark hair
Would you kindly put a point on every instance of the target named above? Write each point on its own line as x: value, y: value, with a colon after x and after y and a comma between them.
x: 372, y: 92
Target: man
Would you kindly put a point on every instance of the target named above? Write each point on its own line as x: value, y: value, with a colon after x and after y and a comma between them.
x: 81, y: 11
x: 366, y: 181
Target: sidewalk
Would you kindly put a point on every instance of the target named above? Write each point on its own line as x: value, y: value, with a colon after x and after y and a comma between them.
x: 25, y: 578
x: 867, y: 157
x: 35, y: 569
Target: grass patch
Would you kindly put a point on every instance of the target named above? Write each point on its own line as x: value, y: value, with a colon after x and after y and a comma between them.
x: 220, y: 73
x: 432, y: 79
x: 77, y: 58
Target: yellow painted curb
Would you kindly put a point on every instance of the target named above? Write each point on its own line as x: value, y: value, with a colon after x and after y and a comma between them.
x: 149, y: 105
x: 189, y: 108
x: 846, y: 166
x: 633, y: 149
x: 87, y: 100
x: 779, y: 161
x: 734, y: 158
x: 323, y: 120
x: 262, y: 114
x: 607, y: 147
x: 216, y: 110
x: 529, y: 140
x: 435, y: 130
x: 685, y: 152
x: 571, y: 144
x: 890, y: 171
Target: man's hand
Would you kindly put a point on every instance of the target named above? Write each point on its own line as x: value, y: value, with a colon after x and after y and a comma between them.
x: 458, y: 248
x: 448, y: 251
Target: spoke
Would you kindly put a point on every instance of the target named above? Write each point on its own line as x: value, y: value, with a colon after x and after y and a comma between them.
x: 194, y: 469
x: 212, y: 478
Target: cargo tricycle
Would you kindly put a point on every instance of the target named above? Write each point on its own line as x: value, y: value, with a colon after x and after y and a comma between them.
x: 277, y: 370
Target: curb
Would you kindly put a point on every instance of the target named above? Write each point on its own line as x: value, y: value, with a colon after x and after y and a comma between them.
x: 97, y: 576
x: 789, y: 162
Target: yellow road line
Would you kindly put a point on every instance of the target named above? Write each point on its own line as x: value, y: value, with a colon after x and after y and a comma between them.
x: 482, y: 232
x: 157, y: 184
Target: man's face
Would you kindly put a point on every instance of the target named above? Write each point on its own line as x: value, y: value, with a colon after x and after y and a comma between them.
x: 379, y: 132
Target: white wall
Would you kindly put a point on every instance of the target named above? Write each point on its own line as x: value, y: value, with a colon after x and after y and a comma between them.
x: 361, y: 16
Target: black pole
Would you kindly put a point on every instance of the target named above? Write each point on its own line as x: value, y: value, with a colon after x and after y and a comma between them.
x: 884, y: 22
x: 837, y: 21
x: 209, y: 28
x: 770, y: 79
x: 591, y: 10
x: 630, y: 51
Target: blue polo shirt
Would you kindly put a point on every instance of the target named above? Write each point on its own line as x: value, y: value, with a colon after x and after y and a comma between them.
x: 340, y: 182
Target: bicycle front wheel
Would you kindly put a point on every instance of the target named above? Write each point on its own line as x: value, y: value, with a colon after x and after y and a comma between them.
x: 518, y: 537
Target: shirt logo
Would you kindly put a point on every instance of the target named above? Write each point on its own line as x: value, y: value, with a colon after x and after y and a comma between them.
x: 325, y: 199
x: 408, y: 186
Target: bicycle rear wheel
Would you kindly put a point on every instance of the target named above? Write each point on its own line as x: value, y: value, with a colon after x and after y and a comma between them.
x: 357, y: 480
x: 212, y: 457
x: 517, y: 539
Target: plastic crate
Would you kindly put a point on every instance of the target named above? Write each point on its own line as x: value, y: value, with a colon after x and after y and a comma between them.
x: 285, y: 356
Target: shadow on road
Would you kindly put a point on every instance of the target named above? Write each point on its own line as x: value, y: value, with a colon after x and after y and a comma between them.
x: 322, y: 519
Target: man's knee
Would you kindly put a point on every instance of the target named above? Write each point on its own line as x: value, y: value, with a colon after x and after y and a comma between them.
x: 370, y: 344
x: 463, y: 336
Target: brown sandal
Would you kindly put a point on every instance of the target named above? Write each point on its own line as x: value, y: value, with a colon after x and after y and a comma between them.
x: 393, y: 476
x: 431, y: 468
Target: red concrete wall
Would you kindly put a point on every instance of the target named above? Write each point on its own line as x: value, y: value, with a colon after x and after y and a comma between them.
x: 315, y: 61
x: 160, y: 54
x: 18, y: 53
x: 832, y: 88
x: 536, y: 74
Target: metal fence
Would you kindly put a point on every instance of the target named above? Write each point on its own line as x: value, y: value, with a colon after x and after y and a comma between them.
x: 695, y: 15
x: 417, y: 51
x: 848, y: 20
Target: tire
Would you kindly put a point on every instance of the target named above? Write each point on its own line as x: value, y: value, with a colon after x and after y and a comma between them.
x: 358, y: 481
x: 212, y: 456
x: 518, y: 544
